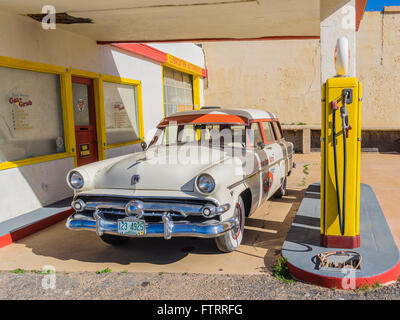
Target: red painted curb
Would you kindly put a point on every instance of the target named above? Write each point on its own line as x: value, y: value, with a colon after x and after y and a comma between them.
x: 13, y: 236
x: 340, y: 283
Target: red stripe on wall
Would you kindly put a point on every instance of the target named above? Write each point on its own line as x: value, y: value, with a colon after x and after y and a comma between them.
x: 143, y: 50
x: 360, y: 9
x: 35, y: 227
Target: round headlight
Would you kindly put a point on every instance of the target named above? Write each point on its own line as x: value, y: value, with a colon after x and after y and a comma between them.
x: 205, y: 183
x: 76, y: 180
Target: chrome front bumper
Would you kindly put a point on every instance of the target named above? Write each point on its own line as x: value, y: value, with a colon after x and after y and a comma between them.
x: 167, y: 228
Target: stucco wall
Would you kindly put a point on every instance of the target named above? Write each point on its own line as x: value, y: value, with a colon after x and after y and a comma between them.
x: 279, y: 76
x: 284, y: 76
x: 378, y: 67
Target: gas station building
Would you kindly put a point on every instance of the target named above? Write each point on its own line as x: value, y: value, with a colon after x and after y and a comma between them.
x: 93, y: 87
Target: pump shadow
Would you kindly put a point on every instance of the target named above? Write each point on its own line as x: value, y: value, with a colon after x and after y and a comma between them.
x: 267, y: 232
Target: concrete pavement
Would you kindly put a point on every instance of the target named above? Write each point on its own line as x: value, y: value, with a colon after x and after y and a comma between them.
x: 264, y: 233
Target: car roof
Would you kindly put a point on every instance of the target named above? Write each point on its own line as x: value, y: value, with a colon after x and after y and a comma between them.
x: 250, y: 114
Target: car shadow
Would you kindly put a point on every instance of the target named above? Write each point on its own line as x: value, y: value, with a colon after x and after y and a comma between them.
x: 267, y: 232
x: 85, y: 246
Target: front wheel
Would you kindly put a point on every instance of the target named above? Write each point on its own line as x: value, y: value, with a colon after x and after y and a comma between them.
x: 231, y: 240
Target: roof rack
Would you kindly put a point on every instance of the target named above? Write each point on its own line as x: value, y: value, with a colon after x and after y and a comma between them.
x: 210, y: 107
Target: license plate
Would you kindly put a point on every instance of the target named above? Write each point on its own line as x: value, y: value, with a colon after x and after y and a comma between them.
x: 131, y: 228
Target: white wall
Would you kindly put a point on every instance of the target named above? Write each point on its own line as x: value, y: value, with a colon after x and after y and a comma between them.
x: 28, y: 187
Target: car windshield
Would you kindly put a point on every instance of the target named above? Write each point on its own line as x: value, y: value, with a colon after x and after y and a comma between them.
x: 224, y: 135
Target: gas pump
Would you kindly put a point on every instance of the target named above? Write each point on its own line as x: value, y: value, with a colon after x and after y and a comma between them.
x: 340, y: 155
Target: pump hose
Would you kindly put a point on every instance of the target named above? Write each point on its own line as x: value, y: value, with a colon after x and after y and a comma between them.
x: 336, y: 173
x: 344, y: 173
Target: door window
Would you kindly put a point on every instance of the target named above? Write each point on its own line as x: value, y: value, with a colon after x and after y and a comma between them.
x: 255, y: 134
x: 269, y: 134
x: 277, y: 130
x: 80, y: 96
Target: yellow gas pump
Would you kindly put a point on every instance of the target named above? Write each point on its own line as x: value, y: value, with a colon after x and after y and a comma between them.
x: 340, y: 156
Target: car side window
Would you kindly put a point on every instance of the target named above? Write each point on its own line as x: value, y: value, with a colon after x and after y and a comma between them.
x: 255, y: 134
x: 277, y: 130
x: 269, y: 134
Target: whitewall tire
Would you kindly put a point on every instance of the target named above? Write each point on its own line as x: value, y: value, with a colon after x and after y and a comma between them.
x: 231, y: 240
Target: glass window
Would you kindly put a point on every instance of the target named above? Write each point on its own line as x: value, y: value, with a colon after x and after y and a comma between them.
x: 255, y: 134
x: 269, y: 134
x: 121, y: 112
x: 208, y: 134
x: 80, y: 96
x: 31, y: 121
x: 178, y: 91
x: 278, y: 133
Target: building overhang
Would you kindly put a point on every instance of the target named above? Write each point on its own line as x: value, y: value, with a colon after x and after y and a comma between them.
x: 186, y: 20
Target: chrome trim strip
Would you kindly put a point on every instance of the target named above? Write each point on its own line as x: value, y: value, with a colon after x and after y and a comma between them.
x: 143, y: 198
x: 257, y: 172
x: 149, y: 208
x: 166, y: 229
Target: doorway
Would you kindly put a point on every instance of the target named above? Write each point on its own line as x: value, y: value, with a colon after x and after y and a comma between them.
x: 85, y: 120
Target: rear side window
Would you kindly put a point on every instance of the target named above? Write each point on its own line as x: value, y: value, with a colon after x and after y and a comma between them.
x: 255, y: 134
x: 278, y: 133
x: 269, y: 134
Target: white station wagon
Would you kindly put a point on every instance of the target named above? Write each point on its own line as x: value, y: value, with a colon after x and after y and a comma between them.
x: 202, y: 174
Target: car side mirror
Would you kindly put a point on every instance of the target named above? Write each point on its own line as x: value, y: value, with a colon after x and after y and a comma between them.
x: 260, y: 145
x: 143, y: 145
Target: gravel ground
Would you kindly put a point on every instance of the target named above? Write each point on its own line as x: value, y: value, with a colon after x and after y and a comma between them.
x: 112, y: 285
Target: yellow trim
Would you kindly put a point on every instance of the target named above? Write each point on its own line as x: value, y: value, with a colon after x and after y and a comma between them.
x: 163, y: 93
x: 182, y: 65
x: 138, y: 85
x: 28, y: 161
x: 30, y: 65
x: 123, y: 144
x: 196, y: 92
x: 84, y: 73
x: 140, y: 110
x: 66, y: 104
x: 120, y: 80
x: 100, y: 118
x: 68, y: 115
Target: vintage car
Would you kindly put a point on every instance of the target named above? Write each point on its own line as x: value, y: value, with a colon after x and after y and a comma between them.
x: 202, y: 174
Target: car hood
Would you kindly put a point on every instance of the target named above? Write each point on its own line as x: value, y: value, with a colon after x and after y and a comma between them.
x: 159, y: 169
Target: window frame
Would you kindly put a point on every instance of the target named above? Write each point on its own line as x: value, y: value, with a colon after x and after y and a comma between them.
x: 119, y: 80
x: 65, y: 85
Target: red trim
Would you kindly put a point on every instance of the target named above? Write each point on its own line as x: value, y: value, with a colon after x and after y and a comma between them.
x: 204, y: 118
x: 340, y: 242
x: 212, y: 39
x: 143, y: 50
x: 360, y: 9
x: 331, y: 282
x: 13, y: 236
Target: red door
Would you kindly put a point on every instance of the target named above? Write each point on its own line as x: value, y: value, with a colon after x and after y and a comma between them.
x: 85, y: 120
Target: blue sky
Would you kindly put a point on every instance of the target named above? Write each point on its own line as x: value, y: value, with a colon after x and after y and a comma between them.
x: 377, y: 5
